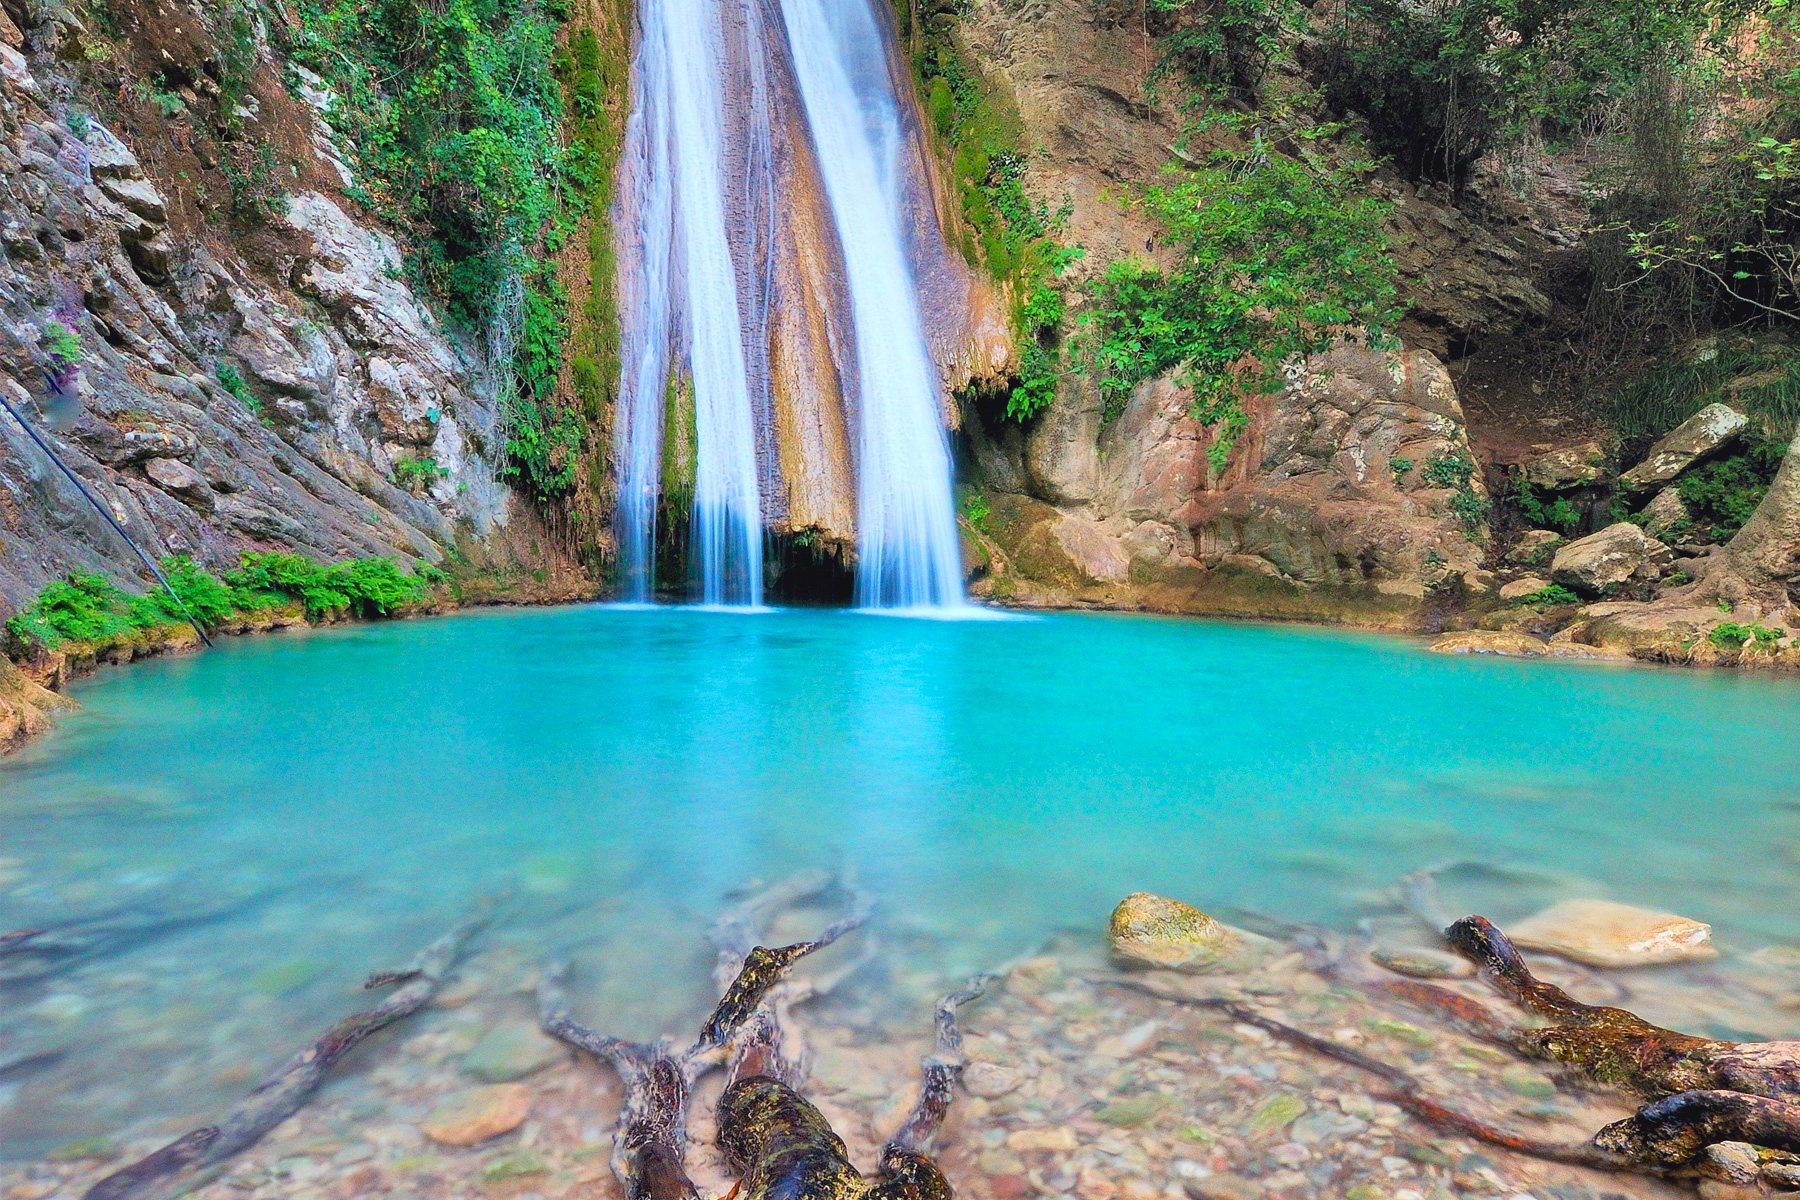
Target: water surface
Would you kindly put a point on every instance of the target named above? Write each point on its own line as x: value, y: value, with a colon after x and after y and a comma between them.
x: 991, y: 782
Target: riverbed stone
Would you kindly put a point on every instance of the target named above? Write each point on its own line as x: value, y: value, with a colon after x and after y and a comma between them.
x: 1489, y: 641
x: 511, y: 1050
x: 1700, y: 436
x: 1603, y: 933
x: 474, y: 1116
x: 1156, y: 931
x: 1618, y: 554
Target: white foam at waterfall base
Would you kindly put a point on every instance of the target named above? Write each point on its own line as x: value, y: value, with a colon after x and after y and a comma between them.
x: 908, y: 555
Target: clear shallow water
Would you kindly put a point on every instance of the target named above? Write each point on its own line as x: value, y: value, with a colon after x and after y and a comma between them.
x: 990, y: 782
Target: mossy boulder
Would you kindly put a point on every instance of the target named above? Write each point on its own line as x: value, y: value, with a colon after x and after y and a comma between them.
x: 1155, y: 931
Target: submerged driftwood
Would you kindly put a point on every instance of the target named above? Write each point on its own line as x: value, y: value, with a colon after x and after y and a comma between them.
x: 280, y: 1095
x: 774, y: 1139
x: 1704, y: 1090
x: 38, y: 953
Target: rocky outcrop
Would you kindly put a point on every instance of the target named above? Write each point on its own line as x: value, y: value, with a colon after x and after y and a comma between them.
x: 1602, y: 562
x: 221, y: 382
x: 1564, y: 468
x: 25, y: 706
x: 1488, y: 641
x: 1699, y: 437
x: 1340, y: 502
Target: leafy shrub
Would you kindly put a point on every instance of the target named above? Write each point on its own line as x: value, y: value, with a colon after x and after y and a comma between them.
x: 1279, y: 256
x: 233, y: 381
x: 1720, y: 496
x: 1456, y: 472
x: 453, y: 115
x: 81, y: 608
x: 1730, y: 635
x: 1559, y: 514
x: 63, y: 345
x: 415, y: 473
x: 1551, y: 596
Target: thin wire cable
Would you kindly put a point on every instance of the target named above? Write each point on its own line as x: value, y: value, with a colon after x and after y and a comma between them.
x: 50, y: 453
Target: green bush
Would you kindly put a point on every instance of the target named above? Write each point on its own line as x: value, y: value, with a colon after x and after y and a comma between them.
x: 454, y: 118
x: 1545, y: 597
x: 415, y: 473
x: 1559, y: 514
x: 1729, y: 635
x: 1720, y: 496
x: 1279, y: 256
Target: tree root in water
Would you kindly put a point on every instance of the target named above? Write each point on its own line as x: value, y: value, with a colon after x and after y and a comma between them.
x: 31, y: 954
x: 1617, y: 1047
x: 1404, y: 1091
x: 281, y: 1095
x: 774, y: 1139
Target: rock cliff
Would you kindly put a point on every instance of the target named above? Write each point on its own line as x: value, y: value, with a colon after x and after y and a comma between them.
x: 227, y: 353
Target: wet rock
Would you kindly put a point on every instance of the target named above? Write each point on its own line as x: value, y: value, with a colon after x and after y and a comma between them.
x: 282, y: 978
x: 510, y: 1051
x: 1156, y: 931
x: 1060, y: 1140
x: 1278, y: 1112
x: 990, y: 1080
x: 1616, y: 555
x: 1577, y: 650
x: 1420, y: 963
x: 1602, y: 933
x: 1534, y: 547
x: 1518, y: 589
x: 1700, y: 436
x: 474, y: 1116
x: 1489, y: 641
x: 1565, y: 468
x: 1732, y: 1162
x: 1523, y: 1081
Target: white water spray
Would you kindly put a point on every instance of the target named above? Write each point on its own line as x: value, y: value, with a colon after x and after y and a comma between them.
x: 701, y: 201
x: 907, y: 550
x: 684, y: 259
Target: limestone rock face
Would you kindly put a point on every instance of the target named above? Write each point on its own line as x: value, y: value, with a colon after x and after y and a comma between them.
x: 1666, y: 512
x: 1699, y: 437
x: 1155, y: 931
x: 122, y: 240
x: 1602, y: 933
x: 1616, y: 555
x: 25, y: 706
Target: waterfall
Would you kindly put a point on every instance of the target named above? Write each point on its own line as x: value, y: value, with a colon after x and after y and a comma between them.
x: 686, y: 295
x: 702, y: 210
x: 907, y: 550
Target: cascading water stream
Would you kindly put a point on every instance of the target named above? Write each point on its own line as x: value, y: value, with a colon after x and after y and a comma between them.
x: 688, y: 299
x: 907, y: 550
x: 703, y: 212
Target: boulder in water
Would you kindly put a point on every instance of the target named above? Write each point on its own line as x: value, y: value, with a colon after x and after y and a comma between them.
x: 511, y: 1050
x: 471, y: 1117
x: 1602, y: 933
x: 1155, y: 931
